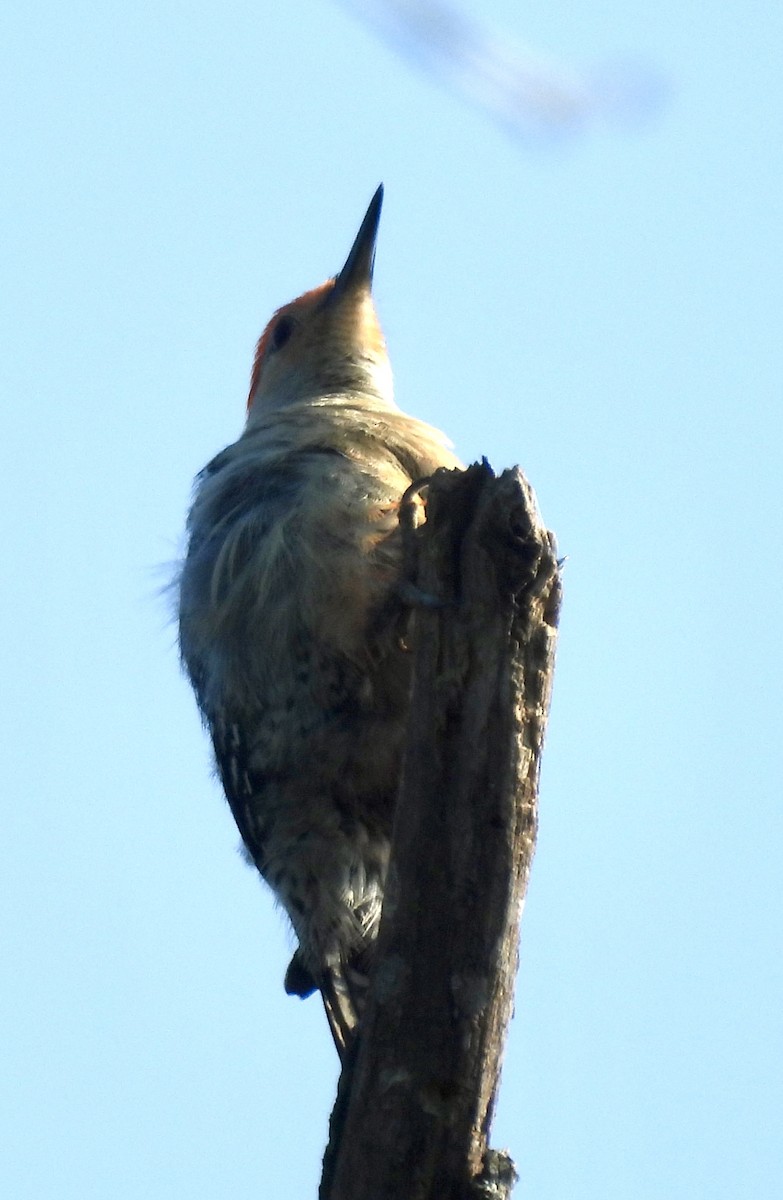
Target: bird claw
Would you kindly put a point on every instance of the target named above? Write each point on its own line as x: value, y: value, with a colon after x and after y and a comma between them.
x: 299, y: 979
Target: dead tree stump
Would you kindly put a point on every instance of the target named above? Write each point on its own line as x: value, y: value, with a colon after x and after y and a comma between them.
x: 415, y: 1104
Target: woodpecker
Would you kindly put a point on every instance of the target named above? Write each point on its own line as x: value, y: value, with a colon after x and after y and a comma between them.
x: 290, y: 618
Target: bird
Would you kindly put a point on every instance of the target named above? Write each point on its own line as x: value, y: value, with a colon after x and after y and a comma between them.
x: 293, y: 613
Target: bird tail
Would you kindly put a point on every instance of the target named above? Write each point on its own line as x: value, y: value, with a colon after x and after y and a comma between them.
x: 343, y: 987
x: 340, y: 1008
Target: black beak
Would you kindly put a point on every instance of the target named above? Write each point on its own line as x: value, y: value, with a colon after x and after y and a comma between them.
x: 357, y: 271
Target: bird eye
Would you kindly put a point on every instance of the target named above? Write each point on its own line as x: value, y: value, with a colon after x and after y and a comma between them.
x: 281, y: 333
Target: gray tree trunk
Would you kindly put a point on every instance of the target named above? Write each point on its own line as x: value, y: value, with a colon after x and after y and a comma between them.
x: 414, y: 1107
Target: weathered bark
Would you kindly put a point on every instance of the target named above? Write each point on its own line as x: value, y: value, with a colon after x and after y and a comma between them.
x: 416, y: 1101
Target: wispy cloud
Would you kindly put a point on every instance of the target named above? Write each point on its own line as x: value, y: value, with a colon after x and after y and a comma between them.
x: 528, y: 93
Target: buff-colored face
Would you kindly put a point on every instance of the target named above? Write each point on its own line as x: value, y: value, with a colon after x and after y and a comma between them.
x: 327, y: 342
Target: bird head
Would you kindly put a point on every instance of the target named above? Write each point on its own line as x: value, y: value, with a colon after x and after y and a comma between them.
x: 328, y: 342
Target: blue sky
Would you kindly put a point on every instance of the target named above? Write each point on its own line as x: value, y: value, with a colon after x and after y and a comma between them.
x: 604, y: 309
